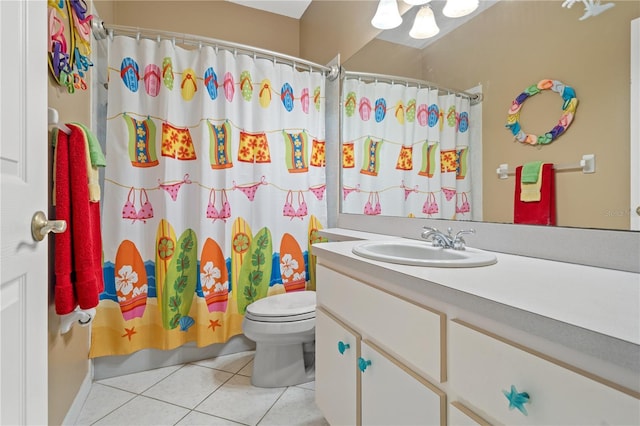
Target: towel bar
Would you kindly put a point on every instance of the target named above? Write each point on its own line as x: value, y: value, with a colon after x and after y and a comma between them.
x: 587, y: 165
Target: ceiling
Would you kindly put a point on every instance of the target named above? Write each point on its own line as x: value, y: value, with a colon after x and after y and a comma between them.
x: 400, y: 35
x: 291, y: 8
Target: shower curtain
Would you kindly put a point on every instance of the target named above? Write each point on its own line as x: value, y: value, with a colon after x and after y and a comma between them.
x: 214, y: 191
x: 405, y: 151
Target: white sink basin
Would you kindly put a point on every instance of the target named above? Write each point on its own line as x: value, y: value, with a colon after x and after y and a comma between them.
x: 419, y: 253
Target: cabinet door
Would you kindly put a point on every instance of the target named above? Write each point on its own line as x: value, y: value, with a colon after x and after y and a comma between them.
x: 412, y: 333
x: 516, y: 385
x: 393, y: 395
x: 337, y: 350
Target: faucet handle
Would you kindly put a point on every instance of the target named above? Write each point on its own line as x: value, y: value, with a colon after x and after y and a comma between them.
x: 458, y: 241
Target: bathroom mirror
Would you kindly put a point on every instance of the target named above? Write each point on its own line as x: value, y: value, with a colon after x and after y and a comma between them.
x: 505, y: 49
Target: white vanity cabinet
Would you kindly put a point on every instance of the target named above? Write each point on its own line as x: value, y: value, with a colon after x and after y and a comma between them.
x: 358, y: 381
x: 426, y: 366
x: 485, y: 366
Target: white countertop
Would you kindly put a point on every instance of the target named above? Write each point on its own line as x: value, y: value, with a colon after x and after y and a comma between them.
x: 600, y: 300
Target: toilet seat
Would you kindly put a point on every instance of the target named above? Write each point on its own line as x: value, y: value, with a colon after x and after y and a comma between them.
x: 286, y: 307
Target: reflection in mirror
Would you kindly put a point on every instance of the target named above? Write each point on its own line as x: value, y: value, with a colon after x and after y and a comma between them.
x: 504, y: 50
x: 406, y: 149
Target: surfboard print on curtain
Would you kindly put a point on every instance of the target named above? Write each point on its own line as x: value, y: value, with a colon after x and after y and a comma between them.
x: 255, y: 273
x: 180, y: 284
x: 214, y: 277
x: 131, y: 281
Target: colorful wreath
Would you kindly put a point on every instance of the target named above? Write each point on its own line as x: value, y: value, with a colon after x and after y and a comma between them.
x: 568, y: 107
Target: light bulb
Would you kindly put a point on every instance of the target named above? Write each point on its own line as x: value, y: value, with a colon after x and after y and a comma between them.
x: 387, y: 16
x: 425, y: 25
x: 459, y: 8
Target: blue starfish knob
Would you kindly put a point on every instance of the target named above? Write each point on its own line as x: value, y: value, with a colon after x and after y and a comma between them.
x: 517, y: 399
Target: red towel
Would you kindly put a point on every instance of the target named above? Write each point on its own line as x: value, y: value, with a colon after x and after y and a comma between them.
x: 78, y: 250
x: 541, y: 212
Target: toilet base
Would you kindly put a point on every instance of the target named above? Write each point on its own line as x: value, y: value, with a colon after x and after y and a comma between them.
x: 283, y: 365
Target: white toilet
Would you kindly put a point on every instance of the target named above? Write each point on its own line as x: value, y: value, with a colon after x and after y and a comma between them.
x: 283, y: 327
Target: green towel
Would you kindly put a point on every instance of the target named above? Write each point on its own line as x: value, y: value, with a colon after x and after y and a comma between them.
x: 95, y: 152
x: 530, y: 172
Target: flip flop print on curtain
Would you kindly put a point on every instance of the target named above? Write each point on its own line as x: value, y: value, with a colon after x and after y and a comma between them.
x: 229, y: 86
x: 211, y: 83
x: 177, y: 143
x: 130, y: 74
x: 173, y: 188
x: 142, y: 136
x: 129, y: 209
x: 189, y: 86
x: 225, y: 211
x: 152, y: 80
x: 400, y: 112
x: 167, y: 73
x: 296, y: 151
x: 289, y: 211
x: 410, y: 111
x: 250, y: 189
x: 350, y: 104
x: 304, y: 100
x: 246, y: 87
x: 264, y: 95
x: 286, y: 96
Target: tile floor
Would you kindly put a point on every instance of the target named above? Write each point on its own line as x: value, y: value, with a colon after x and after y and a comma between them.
x: 216, y: 391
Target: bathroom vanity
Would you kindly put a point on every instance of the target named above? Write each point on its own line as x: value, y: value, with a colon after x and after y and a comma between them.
x: 522, y: 341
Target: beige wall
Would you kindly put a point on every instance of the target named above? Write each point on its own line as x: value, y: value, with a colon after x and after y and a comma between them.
x: 517, y: 43
x: 68, y: 353
x: 382, y: 57
x: 215, y: 19
x: 68, y: 361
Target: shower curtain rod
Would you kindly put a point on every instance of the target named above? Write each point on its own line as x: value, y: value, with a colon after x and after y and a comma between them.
x: 475, y: 98
x: 101, y: 31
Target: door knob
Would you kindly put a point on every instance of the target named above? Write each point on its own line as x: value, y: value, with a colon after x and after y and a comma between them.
x: 40, y: 226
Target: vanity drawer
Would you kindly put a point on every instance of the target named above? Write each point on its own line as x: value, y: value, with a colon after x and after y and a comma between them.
x: 483, y: 366
x: 411, y: 333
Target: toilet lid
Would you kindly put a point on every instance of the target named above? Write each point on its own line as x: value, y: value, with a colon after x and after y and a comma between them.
x: 288, y: 306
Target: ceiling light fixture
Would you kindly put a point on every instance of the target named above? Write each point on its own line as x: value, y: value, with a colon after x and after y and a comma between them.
x: 387, y: 16
x: 459, y: 8
x: 425, y: 25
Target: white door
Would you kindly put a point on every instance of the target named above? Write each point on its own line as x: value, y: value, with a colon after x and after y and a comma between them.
x: 23, y: 191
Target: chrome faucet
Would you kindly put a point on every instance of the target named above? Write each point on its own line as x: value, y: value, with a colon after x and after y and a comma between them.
x: 448, y: 240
